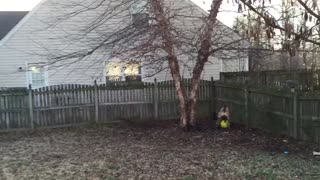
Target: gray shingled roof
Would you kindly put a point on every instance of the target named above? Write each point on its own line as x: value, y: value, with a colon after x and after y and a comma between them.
x: 8, y: 19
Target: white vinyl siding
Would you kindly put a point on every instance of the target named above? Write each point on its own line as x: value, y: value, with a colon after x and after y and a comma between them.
x: 234, y: 65
x: 31, y: 40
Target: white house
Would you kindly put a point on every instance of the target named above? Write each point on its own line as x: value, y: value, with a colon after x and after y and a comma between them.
x: 25, y: 50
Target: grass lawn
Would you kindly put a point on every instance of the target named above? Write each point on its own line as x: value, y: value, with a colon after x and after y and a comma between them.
x: 133, y: 151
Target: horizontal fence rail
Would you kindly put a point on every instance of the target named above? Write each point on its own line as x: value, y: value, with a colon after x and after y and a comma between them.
x: 293, y: 114
x: 74, y: 104
x: 296, y: 114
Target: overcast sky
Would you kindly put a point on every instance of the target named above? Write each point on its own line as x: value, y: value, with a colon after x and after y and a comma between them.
x: 17, y: 5
x: 226, y: 16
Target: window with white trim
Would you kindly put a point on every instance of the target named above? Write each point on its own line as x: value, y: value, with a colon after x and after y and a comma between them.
x: 37, y: 76
x: 119, y: 71
x: 140, y: 14
x: 113, y: 71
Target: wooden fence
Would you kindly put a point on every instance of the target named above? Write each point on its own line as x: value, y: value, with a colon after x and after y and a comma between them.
x: 294, y: 114
x: 306, y: 80
x: 74, y: 104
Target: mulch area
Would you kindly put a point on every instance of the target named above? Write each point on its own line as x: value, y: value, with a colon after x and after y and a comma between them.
x: 154, y: 150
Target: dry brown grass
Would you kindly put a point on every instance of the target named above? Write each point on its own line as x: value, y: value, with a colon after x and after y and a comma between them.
x: 152, y: 152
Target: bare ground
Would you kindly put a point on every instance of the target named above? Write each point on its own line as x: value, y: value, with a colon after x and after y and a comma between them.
x: 132, y: 151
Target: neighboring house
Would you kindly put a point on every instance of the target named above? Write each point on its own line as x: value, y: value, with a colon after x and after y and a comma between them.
x: 24, y: 52
x: 266, y: 60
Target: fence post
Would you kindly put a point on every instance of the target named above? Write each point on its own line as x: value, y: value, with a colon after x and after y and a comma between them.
x: 222, y: 75
x: 295, y: 115
x: 156, y: 100
x: 246, y: 104
x: 213, y: 96
x: 30, y: 106
x: 96, y: 102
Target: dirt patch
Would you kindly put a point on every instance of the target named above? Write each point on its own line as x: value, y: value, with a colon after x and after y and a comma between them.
x: 136, y: 151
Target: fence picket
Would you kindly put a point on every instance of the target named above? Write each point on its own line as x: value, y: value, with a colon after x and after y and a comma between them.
x: 64, y: 105
x: 7, y: 113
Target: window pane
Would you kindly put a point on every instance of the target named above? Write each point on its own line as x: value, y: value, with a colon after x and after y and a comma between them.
x: 132, y: 69
x: 140, y: 15
x: 113, y: 78
x: 37, y: 76
x: 113, y: 69
x: 139, y: 7
x: 36, y: 69
x: 140, y: 20
x: 116, y: 71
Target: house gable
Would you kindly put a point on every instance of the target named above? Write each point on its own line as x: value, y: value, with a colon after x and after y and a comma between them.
x: 27, y: 42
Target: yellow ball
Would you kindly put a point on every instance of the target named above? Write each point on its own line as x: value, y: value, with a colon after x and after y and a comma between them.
x: 224, y: 124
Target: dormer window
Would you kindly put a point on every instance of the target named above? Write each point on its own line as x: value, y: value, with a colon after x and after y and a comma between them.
x: 140, y: 14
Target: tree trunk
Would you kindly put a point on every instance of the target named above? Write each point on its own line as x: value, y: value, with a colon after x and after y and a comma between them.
x: 187, y: 109
x: 202, y: 58
x: 169, y: 47
x: 194, y: 93
x: 181, y: 92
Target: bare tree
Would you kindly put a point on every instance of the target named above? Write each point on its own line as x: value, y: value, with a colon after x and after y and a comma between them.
x: 289, y: 23
x: 161, y: 34
x: 291, y: 26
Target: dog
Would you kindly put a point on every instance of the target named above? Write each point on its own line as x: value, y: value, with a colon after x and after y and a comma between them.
x: 223, y: 114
